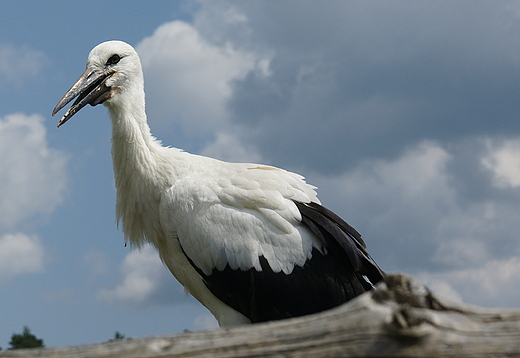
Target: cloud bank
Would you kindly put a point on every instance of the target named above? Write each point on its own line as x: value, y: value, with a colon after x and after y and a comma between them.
x: 34, y: 181
x: 20, y: 254
x: 144, y: 280
x: 32, y: 174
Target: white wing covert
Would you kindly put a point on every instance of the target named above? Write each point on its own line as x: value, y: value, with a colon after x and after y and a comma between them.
x: 235, y: 219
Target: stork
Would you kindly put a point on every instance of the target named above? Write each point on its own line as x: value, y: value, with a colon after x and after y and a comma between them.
x: 251, y: 242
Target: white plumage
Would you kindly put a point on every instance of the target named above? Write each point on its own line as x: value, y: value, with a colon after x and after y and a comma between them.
x: 250, y: 242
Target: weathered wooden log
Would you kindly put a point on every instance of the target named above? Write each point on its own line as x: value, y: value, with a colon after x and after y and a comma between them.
x: 400, y: 318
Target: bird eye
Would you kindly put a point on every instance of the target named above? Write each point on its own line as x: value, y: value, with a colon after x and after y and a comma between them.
x: 113, y: 60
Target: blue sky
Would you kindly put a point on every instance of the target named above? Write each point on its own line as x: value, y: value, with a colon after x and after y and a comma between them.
x: 404, y: 114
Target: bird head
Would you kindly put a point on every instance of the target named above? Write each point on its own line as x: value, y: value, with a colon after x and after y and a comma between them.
x: 112, y: 67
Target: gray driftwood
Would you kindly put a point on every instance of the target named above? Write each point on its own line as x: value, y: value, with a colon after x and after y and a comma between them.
x: 400, y: 318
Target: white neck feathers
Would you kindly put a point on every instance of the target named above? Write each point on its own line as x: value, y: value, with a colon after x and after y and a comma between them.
x: 140, y: 171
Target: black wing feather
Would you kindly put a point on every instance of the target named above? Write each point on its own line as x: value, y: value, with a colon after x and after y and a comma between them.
x: 331, y: 234
x: 340, y: 233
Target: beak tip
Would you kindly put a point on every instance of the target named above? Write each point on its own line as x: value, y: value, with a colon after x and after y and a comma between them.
x: 64, y: 119
x: 57, y: 108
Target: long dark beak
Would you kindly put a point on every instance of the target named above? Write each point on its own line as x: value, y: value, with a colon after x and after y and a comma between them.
x: 90, y: 88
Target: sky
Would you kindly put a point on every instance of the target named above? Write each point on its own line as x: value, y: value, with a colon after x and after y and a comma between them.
x: 405, y: 114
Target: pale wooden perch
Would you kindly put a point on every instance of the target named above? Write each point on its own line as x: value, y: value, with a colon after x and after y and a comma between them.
x: 401, y: 318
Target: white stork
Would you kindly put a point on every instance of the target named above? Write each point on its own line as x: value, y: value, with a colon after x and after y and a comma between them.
x: 251, y: 242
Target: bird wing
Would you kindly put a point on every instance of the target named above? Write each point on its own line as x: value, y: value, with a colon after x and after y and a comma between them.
x: 236, y: 213
x: 262, y: 243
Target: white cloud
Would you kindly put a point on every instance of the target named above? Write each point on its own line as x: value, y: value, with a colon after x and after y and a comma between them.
x: 33, y: 176
x: 465, y: 251
x: 20, y: 254
x: 20, y: 63
x: 419, y: 172
x: 143, y: 276
x: 228, y: 147
x: 415, y: 184
x: 504, y: 161
x: 495, y: 283
x: 190, y: 80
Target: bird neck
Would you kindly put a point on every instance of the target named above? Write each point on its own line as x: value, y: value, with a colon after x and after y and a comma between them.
x: 140, y: 170
x: 134, y: 150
